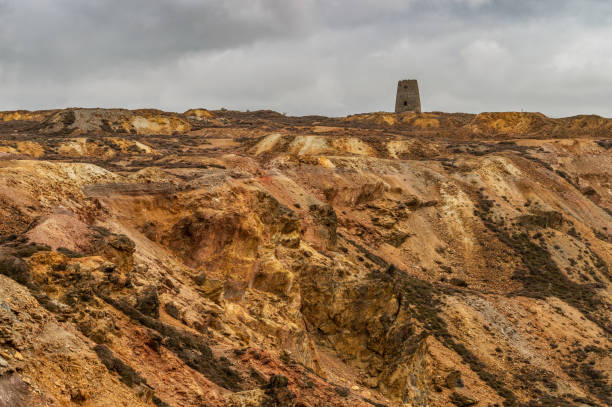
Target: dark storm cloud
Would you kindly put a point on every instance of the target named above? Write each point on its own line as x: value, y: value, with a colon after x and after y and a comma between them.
x: 307, y: 56
x: 77, y: 34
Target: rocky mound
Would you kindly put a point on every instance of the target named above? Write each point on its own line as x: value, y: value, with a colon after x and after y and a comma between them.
x: 490, y: 125
x: 75, y: 121
x: 23, y: 115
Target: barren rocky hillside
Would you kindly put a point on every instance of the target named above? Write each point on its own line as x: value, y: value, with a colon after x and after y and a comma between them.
x: 220, y: 258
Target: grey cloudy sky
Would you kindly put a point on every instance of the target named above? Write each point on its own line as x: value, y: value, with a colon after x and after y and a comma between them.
x: 331, y: 57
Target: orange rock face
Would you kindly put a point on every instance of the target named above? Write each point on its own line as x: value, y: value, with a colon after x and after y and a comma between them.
x: 222, y: 258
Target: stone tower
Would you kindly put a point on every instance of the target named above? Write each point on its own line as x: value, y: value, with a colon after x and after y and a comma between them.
x: 408, y: 99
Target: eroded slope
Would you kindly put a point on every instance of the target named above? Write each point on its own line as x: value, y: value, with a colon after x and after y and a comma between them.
x: 225, y: 258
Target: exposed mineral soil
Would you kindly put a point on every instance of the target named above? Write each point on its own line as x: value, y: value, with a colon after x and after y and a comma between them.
x: 220, y: 258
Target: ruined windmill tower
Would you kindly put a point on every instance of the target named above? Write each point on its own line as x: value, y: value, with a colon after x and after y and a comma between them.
x: 408, y: 99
